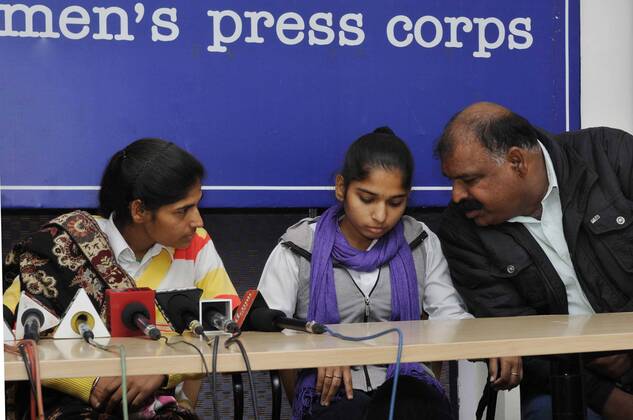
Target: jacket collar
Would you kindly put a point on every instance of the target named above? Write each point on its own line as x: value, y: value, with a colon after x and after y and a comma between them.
x: 574, y: 176
x: 575, y: 179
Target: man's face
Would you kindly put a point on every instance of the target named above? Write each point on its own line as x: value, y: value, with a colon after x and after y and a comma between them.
x: 488, y: 192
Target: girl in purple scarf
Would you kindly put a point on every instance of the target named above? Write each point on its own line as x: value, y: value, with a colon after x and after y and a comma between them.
x: 363, y: 260
x: 363, y: 232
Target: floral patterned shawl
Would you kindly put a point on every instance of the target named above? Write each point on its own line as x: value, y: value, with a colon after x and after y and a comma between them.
x: 67, y: 253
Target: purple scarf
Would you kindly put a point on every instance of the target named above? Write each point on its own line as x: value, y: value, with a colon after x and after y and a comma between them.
x: 329, y: 244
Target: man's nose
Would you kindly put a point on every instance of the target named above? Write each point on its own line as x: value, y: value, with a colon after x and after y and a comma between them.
x: 459, y: 192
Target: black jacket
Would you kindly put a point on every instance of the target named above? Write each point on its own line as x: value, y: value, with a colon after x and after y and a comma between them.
x: 502, y: 271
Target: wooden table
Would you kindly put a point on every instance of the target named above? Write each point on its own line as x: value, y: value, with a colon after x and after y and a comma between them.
x: 423, y: 341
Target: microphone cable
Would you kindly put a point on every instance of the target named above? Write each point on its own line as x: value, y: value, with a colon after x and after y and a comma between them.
x: 208, y: 374
x: 172, y: 345
x: 212, y: 374
x: 235, y: 339
x: 27, y: 349
x: 20, y: 351
x: 120, y: 349
x: 394, y: 386
x: 214, y: 370
x: 204, y: 362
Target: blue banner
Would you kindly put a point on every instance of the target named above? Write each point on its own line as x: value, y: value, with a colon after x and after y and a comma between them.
x: 268, y: 95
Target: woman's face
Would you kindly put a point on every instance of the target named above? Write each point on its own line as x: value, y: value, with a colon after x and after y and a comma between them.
x: 372, y: 206
x: 175, y: 224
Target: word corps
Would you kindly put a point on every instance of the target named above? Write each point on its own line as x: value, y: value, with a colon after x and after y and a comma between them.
x: 228, y: 28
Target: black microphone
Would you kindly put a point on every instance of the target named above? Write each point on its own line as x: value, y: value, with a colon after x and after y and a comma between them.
x: 181, y: 308
x: 265, y: 319
x: 255, y: 314
x: 187, y: 317
x: 32, y: 320
x: 136, y: 316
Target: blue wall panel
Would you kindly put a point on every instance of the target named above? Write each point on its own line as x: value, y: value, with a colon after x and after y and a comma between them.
x: 269, y: 120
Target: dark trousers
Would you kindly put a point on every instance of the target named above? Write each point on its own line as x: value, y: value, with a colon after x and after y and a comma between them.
x: 343, y: 409
x: 414, y: 399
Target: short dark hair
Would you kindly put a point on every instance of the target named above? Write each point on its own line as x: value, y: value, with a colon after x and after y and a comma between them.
x: 153, y: 170
x: 378, y: 149
x: 497, y: 134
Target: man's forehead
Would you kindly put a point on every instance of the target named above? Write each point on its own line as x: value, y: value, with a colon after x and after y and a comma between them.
x: 466, y: 157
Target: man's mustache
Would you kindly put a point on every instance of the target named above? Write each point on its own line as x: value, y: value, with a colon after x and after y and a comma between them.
x: 469, y: 205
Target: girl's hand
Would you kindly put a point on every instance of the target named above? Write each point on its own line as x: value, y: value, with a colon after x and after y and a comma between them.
x: 329, y: 380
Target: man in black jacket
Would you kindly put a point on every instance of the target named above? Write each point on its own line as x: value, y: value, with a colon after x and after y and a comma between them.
x: 542, y: 224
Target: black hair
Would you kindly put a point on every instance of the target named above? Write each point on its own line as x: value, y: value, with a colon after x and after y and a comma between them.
x: 496, y: 133
x: 417, y: 399
x: 378, y: 149
x: 154, y: 171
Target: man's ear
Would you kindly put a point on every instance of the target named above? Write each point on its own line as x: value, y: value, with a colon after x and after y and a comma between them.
x: 340, y: 188
x: 517, y: 157
x: 137, y: 211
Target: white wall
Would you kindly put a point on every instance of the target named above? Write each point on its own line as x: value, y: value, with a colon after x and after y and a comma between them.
x: 606, y: 70
x: 470, y: 385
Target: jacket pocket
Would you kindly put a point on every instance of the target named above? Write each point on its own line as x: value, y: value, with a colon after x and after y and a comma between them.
x: 520, y: 270
x: 612, y: 227
x: 509, y: 268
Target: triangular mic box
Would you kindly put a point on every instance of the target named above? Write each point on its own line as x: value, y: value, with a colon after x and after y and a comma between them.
x: 49, y: 320
x: 80, y: 308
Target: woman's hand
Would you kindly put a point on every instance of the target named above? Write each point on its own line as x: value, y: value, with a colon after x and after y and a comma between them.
x: 329, y: 380
x: 103, y: 390
x: 505, y: 372
x: 108, y: 392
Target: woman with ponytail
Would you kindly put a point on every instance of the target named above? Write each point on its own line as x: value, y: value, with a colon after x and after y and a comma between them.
x: 150, y: 235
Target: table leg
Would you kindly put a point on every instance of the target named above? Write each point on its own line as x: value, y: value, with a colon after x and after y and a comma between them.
x: 568, y: 397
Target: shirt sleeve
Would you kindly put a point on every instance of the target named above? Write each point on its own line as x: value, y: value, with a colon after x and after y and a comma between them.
x: 80, y: 388
x: 11, y: 296
x: 279, y: 283
x: 211, y: 275
x: 439, y: 297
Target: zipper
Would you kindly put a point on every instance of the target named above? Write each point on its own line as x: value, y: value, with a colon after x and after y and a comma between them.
x: 549, y: 286
x: 367, y: 301
x: 375, y: 284
x: 367, y: 380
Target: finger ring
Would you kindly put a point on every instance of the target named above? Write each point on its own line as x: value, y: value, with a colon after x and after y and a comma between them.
x: 514, y: 374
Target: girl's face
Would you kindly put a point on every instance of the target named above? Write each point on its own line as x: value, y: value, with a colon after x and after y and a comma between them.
x: 372, y: 206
